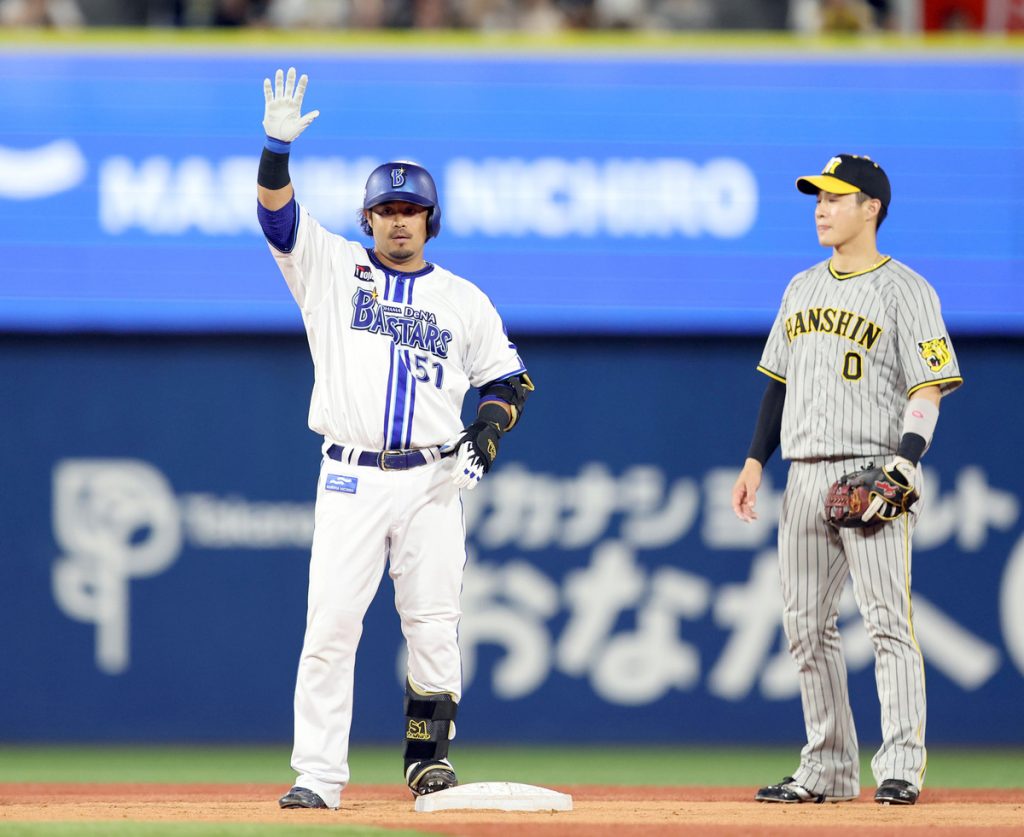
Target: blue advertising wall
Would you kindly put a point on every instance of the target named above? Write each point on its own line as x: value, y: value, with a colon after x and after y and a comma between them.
x: 157, y: 518
x: 585, y: 193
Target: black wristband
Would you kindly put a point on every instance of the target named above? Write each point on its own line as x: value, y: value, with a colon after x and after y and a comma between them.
x: 273, y: 172
x: 768, y: 432
x: 912, y: 447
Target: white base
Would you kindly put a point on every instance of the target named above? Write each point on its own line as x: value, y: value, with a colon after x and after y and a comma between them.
x: 494, y: 796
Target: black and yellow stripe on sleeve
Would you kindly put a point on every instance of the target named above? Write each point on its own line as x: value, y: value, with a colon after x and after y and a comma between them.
x: 956, y: 380
x: 771, y: 374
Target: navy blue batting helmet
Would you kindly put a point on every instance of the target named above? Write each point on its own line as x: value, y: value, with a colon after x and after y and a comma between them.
x: 402, y: 181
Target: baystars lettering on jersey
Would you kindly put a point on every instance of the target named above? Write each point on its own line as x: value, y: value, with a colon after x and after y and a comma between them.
x: 407, y: 326
x: 393, y: 372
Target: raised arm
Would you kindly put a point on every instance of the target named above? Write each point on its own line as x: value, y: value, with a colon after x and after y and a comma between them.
x: 282, y: 122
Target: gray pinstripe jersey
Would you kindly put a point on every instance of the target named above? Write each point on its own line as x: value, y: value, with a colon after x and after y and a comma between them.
x: 851, y: 348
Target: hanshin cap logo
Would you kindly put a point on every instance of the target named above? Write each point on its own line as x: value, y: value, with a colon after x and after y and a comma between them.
x: 846, y: 174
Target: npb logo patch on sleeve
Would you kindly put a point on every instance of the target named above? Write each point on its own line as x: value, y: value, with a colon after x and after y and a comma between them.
x: 339, y: 482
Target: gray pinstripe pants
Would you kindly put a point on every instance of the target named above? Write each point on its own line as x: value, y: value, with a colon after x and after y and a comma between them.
x: 814, y: 561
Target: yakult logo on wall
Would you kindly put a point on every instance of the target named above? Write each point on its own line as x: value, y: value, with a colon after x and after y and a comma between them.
x: 118, y: 520
x: 115, y: 520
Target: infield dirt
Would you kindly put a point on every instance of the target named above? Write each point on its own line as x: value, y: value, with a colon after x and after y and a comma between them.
x: 597, y: 810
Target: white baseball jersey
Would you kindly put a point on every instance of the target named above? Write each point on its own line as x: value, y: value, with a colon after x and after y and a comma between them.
x: 851, y: 348
x: 393, y: 353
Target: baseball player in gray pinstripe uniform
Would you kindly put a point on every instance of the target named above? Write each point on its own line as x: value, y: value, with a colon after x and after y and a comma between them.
x: 857, y: 361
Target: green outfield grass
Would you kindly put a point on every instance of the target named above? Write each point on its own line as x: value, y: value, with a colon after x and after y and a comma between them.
x: 743, y: 766
x: 781, y: 43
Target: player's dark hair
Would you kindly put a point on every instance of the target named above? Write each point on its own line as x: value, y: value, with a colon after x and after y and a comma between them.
x: 882, y: 211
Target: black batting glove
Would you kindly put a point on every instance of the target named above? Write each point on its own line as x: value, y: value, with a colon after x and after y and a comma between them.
x: 481, y: 439
x: 474, y: 452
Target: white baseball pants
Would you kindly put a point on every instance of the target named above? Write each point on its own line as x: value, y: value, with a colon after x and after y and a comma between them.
x: 365, y: 518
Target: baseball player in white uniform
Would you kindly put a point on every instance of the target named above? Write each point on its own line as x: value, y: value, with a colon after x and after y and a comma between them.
x: 396, y: 342
x: 857, y: 360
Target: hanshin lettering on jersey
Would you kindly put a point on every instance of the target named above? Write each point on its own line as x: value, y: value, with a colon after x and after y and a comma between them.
x: 837, y: 321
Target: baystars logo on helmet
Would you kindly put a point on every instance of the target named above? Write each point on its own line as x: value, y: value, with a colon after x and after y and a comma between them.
x: 397, y: 177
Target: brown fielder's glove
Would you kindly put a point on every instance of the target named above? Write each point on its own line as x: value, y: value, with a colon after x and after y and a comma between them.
x: 872, y: 495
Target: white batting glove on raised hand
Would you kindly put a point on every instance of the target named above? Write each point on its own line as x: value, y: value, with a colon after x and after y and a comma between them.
x: 281, y: 117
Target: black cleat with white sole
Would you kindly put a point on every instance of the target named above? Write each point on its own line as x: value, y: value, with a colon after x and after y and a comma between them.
x: 430, y: 777
x: 301, y: 798
x: 896, y: 792
x: 788, y: 791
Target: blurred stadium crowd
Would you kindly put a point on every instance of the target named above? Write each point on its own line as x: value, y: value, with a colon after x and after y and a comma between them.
x: 532, y: 16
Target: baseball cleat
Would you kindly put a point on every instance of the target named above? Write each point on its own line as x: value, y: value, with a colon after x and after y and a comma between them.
x: 301, y: 798
x: 896, y: 792
x: 430, y: 777
x: 790, y: 792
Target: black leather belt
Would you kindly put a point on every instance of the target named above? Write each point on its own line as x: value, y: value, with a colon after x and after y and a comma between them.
x: 386, y: 460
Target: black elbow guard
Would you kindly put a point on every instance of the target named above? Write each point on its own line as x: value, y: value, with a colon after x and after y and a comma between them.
x: 512, y: 391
